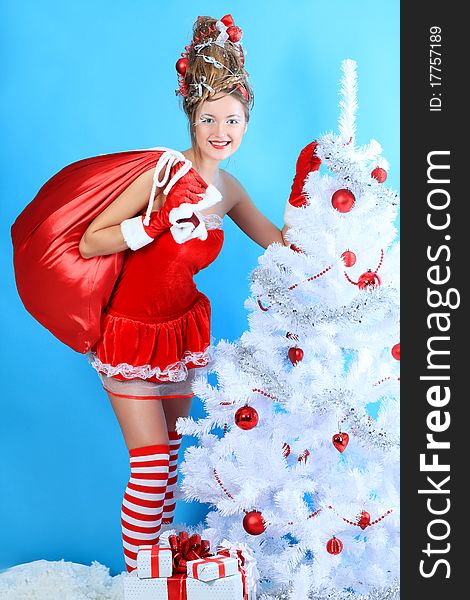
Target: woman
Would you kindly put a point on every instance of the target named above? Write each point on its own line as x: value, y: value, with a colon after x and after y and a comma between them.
x: 156, y: 327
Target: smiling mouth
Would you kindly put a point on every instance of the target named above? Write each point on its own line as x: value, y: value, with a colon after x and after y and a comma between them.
x: 218, y: 144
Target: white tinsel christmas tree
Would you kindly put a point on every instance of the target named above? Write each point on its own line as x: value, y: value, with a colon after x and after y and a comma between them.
x: 307, y: 488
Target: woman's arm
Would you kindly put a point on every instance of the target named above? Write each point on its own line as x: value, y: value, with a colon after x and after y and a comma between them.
x: 104, y: 236
x: 248, y: 217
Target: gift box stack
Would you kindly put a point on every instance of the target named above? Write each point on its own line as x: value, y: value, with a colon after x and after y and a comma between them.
x: 184, y: 569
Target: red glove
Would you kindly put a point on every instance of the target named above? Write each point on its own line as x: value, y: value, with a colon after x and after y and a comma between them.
x: 177, y: 213
x: 189, y: 191
x: 307, y: 162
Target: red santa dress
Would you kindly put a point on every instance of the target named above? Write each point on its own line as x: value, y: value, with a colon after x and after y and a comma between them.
x: 156, y: 325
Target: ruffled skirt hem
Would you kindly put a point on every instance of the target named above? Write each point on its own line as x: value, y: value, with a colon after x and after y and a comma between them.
x: 156, y: 349
x: 177, y: 371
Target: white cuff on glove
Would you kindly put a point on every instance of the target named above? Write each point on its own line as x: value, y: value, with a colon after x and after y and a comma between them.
x: 289, y: 211
x: 182, y: 232
x: 134, y: 233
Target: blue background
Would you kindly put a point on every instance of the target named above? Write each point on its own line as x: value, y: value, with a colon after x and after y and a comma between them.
x: 87, y: 78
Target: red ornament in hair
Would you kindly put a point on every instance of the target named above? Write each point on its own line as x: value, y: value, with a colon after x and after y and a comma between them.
x: 181, y: 65
x: 227, y: 20
x: 234, y: 33
x: 244, y: 91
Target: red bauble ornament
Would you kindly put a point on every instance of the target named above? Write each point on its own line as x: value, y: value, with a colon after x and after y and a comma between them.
x: 246, y: 418
x: 379, y: 174
x: 253, y: 522
x: 368, y: 279
x: 364, y: 520
x: 295, y: 354
x: 340, y: 441
x: 343, y: 200
x: 182, y: 65
x: 396, y: 351
x: 234, y: 33
x: 227, y: 20
x: 349, y: 258
x: 334, y: 545
x: 304, y: 456
x: 285, y: 449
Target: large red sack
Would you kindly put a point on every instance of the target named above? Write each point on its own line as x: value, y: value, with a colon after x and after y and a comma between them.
x: 63, y: 291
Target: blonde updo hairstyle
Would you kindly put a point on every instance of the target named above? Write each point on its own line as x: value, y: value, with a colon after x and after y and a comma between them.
x: 223, y: 80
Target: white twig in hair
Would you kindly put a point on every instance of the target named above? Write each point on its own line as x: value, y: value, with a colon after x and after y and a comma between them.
x: 202, y: 83
x: 212, y: 61
x: 216, y: 63
x: 199, y: 47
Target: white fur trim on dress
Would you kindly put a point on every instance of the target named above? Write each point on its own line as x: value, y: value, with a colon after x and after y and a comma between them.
x: 175, y: 372
x: 134, y: 233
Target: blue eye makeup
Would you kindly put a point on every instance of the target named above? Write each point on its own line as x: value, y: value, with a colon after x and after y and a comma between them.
x: 210, y: 120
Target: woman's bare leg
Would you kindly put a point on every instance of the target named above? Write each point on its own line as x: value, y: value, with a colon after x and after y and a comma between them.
x: 142, y: 422
x: 174, y: 408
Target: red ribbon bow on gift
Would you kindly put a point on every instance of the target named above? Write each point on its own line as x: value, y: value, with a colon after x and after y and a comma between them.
x: 186, y: 548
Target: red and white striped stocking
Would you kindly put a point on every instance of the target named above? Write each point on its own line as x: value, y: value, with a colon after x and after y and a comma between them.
x: 170, y: 503
x: 142, y: 507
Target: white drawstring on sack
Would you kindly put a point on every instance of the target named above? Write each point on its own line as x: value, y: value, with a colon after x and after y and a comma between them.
x: 166, y: 162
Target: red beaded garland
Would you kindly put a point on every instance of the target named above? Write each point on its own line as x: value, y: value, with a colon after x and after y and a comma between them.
x: 380, y: 261
x: 320, y: 274
x: 303, y: 457
x: 384, y: 380
x: 217, y: 478
x: 264, y: 393
x: 314, y: 514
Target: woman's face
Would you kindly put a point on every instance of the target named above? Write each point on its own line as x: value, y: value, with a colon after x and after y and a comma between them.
x: 219, y: 127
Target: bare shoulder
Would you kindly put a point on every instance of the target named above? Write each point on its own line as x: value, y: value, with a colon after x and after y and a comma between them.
x: 231, y: 189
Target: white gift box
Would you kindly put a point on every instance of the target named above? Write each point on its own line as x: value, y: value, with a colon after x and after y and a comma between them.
x: 212, y: 567
x: 227, y: 588
x: 154, y: 561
